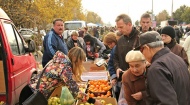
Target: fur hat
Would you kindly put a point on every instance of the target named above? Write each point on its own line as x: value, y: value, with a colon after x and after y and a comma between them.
x: 133, y: 56
x: 168, y: 30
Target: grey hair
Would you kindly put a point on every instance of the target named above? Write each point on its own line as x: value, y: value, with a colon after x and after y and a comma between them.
x: 125, y: 18
x: 155, y: 44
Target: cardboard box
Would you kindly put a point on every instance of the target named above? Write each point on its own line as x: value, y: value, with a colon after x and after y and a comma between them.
x: 94, y: 75
x: 111, y: 101
x: 91, y: 66
x: 57, y: 92
x: 2, y: 78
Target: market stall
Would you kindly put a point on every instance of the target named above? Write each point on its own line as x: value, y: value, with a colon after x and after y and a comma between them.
x: 96, y: 85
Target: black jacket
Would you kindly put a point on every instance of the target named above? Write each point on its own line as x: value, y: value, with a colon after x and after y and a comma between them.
x: 124, y: 45
x: 168, y: 80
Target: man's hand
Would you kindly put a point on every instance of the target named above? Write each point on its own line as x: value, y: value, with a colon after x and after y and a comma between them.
x: 137, y: 96
x: 118, y: 72
x: 113, y: 82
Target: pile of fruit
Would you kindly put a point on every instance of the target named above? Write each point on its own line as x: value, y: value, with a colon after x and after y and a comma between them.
x: 82, y: 87
x: 54, y: 101
x: 99, y: 88
x: 102, y: 101
x: 57, y: 101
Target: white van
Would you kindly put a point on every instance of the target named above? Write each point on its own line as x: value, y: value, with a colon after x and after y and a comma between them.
x: 71, y: 26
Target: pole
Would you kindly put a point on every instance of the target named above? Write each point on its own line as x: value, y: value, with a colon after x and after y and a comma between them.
x: 172, y: 11
x: 152, y: 9
x: 152, y: 15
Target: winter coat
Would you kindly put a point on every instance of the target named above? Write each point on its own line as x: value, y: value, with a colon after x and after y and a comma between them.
x: 111, y: 68
x: 133, y: 84
x: 186, y: 46
x: 124, y: 45
x: 178, y: 50
x: 70, y: 44
x: 94, y: 42
x: 168, y: 80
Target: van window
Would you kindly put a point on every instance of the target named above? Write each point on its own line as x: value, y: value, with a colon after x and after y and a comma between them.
x: 20, y: 43
x: 14, y: 39
x: 72, y: 26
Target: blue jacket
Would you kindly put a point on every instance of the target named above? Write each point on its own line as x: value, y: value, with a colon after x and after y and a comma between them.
x: 52, y: 43
x: 111, y: 68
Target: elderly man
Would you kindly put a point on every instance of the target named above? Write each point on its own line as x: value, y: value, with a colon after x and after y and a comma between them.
x: 134, y: 78
x: 168, y: 80
x: 53, y: 42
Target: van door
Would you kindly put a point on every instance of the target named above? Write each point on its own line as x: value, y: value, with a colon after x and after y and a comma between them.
x: 21, y: 63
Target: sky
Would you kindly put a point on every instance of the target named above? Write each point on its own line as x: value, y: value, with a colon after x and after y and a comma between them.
x: 108, y: 10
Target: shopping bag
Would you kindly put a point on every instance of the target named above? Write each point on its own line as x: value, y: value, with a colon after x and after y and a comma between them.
x: 37, y: 98
x: 66, y: 97
x: 122, y: 100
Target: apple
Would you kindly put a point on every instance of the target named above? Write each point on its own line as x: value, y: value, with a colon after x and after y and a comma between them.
x: 103, y: 102
x: 87, y: 103
x: 70, y: 102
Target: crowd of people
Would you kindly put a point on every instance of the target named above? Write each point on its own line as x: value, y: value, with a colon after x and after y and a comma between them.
x: 146, y: 66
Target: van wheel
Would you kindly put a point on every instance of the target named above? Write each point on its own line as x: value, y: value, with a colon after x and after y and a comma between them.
x: 25, y: 93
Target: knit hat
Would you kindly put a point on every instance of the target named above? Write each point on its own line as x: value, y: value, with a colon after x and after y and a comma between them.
x: 133, y: 56
x: 168, y: 30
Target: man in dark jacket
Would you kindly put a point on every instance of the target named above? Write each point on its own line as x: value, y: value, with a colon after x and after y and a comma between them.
x: 127, y: 42
x: 53, y: 42
x: 168, y: 79
x: 178, y: 34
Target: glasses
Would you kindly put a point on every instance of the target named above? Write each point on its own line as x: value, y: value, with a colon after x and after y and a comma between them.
x: 141, y: 49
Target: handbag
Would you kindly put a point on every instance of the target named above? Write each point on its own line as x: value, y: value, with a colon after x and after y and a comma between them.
x: 37, y: 98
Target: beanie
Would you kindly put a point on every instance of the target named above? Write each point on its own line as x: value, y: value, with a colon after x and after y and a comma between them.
x: 133, y: 56
x: 168, y: 30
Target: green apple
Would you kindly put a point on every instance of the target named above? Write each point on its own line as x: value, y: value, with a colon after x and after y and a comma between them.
x: 87, y: 103
x: 103, y: 102
x: 70, y: 102
x: 65, y: 102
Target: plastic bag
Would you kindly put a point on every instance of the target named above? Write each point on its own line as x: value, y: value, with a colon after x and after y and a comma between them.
x: 122, y: 100
x: 66, y: 97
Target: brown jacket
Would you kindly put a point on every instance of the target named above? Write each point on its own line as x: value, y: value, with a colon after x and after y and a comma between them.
x: 178, y: 50
x: 133, y: 84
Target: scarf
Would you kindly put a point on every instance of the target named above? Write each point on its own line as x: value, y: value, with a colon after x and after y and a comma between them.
x: 171, y: 44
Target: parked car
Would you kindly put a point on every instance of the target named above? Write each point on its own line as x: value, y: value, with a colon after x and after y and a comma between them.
x: 17, y: 63
x: 26, y: 33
